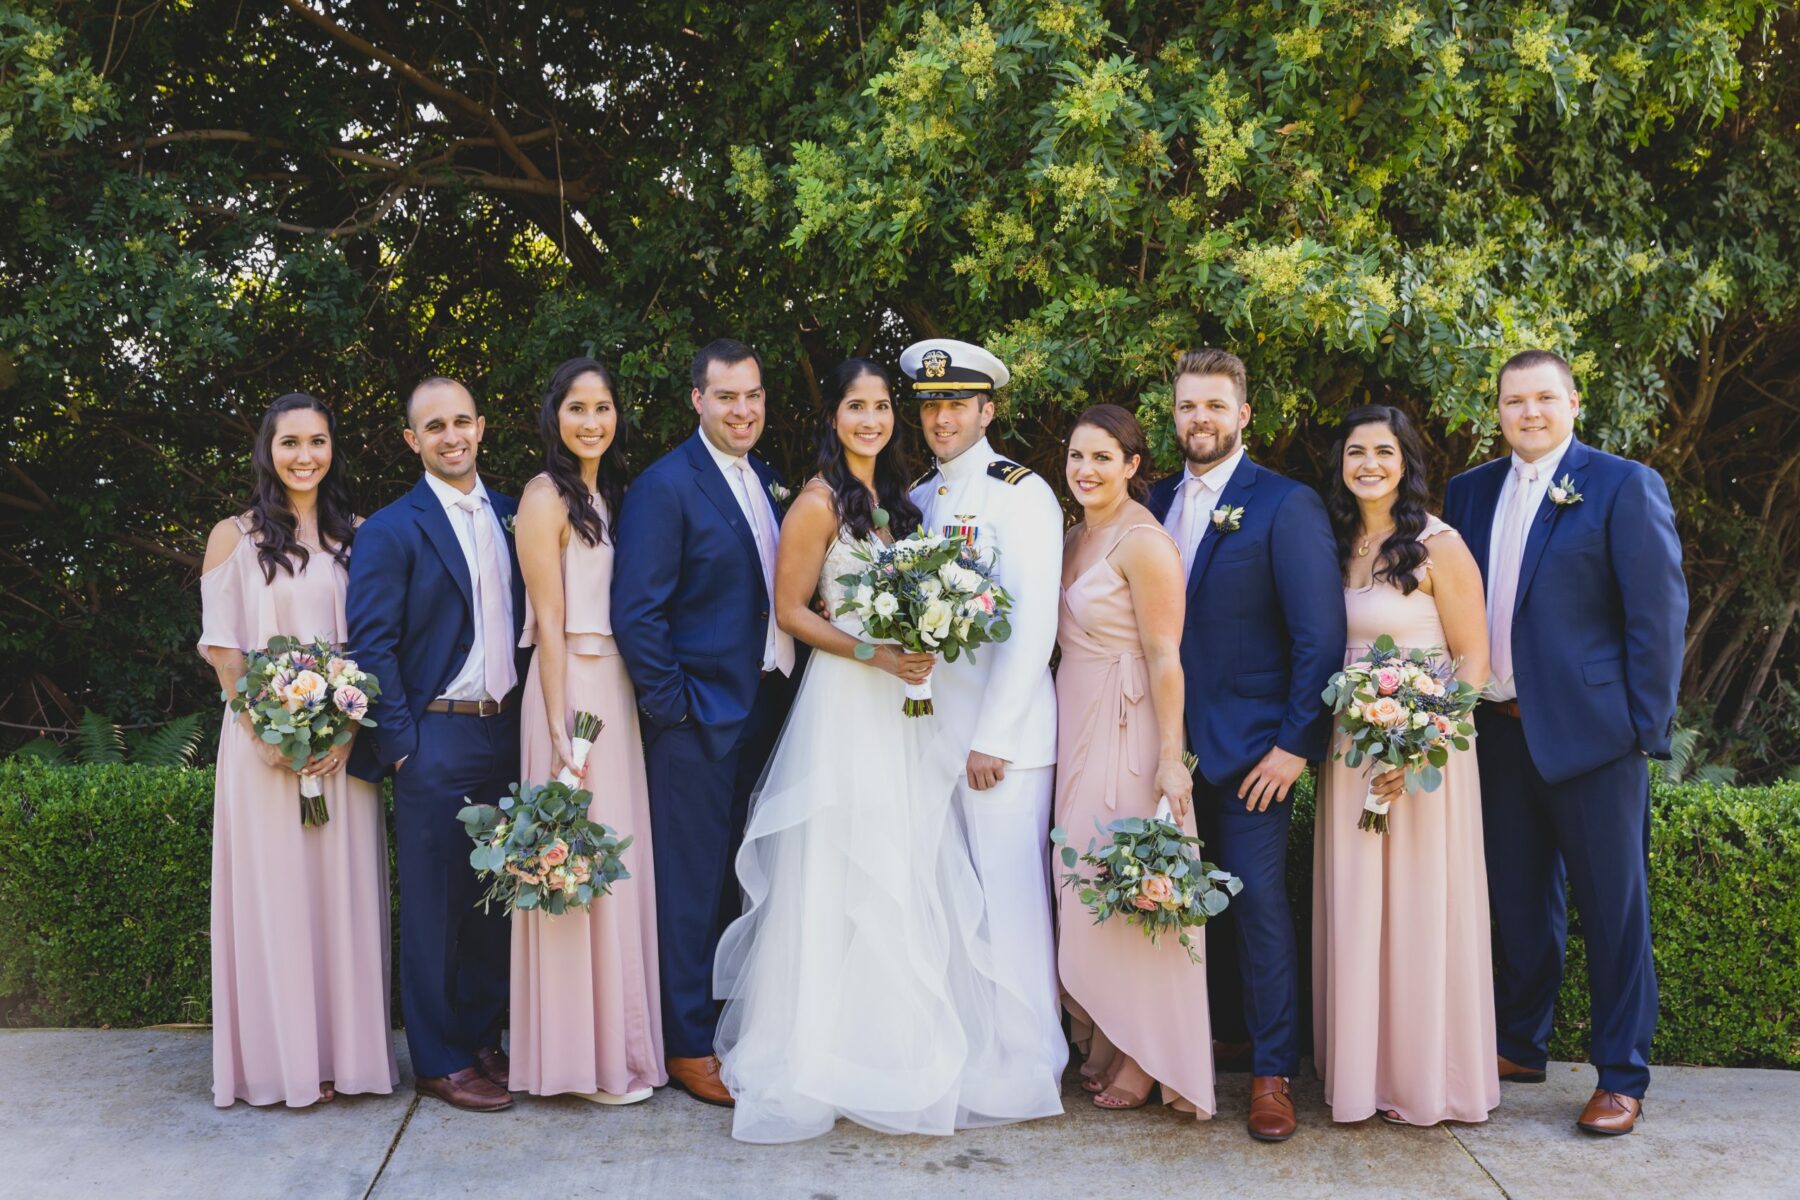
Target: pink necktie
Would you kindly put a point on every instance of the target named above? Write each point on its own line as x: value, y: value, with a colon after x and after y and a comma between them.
x: 496, y: 644
x: 762, y: 528
x: 1193, y: 521
x: 1509, y: 550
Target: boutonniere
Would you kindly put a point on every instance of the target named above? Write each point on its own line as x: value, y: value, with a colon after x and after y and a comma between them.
x: 1563, y: 493
x: 1228, y: 518
x: 508, y: 521
x: 780, y: 494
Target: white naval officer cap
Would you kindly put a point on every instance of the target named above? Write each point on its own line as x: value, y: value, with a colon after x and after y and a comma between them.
x: 944, y: 368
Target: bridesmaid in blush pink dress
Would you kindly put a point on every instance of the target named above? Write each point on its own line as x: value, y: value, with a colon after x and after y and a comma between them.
x: 299, y: 915
x: 1403, y: 998
x: 586, y: 1009
x: 1139, y: 1010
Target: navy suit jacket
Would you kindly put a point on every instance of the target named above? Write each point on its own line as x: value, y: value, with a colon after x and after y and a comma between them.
x: 690, y: 609
x: 1600, y: 611
x: 1265, y: 624
x: 411, y: 616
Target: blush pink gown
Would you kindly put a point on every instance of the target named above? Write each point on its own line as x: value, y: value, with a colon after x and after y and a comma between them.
x: 1148, y: 1001
x: 299, y: 916
x: 1403, y: 994
x: 586, y: 1006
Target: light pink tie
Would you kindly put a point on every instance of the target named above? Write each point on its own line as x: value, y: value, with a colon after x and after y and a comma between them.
x: 1193, y: 521
x: 1509, y: 551
x: 490, y: 593
x: 762, y: 528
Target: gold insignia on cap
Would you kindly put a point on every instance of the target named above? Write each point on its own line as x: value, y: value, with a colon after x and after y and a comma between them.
x: 935, y: 363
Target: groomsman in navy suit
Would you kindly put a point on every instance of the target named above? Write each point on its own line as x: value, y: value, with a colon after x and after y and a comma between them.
x: 435, y: 608
x: 1264, y: 634
x: 694, y: 621
x: 1586, y: 608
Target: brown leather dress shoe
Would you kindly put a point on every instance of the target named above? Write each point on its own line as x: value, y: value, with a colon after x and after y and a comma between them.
x: 494, y: 1066
x: 1512, y: 1072
x: 699, y: 1078
x: 468, y: 1089
x: 1609, y: 1113
x: 1272, y: 1116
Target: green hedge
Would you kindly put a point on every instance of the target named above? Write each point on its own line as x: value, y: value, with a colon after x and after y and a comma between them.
x: 104, y: 874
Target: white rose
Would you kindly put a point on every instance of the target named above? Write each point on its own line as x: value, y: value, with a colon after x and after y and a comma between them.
x: 936, y: 618
x: 962, y: 629
x: 931, y: 589
x: 1421, y: 720
x: 1557, y: 494
x: 886, y: 604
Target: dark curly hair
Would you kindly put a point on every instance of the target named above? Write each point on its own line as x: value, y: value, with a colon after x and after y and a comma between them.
x: 272, y: 521
x: 560, y: 463
x: 1402, y: 553
x: 854, y: 508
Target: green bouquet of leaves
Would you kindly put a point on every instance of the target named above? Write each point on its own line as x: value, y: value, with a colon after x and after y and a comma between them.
x: 541, y: 850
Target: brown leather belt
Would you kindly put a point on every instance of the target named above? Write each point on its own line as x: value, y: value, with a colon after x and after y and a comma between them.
x: 1509, y: 707
x: 471, y: 708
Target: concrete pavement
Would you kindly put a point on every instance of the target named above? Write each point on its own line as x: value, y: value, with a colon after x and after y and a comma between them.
x: 128, y: 1113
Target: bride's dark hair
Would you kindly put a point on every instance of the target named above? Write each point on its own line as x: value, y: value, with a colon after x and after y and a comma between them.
x: 1402, y: 552
x: 272, y: 522
x: 855, y: 510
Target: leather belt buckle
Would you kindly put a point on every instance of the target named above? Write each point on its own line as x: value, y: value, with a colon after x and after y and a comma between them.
x: 1509, y: 707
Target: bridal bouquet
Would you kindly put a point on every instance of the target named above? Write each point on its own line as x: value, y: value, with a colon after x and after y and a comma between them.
x: 928, y: 594
x: 541, y: 850
x: 303, y: 697
x: 1401, y: 708
x: 1150, y: 872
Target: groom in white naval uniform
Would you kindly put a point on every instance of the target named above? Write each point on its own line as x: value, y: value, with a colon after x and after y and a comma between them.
x: 1001, y: 708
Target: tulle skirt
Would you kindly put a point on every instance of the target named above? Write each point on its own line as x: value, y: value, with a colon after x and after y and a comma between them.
x: 860, y: 982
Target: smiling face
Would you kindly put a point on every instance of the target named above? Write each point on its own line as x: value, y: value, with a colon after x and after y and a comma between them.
x: 1537, y: 409
x: 444, y: 430
x: 1209, y: 417
x: 731, y: 406
x: 587, y: 418
x: 1097, y: 467
x: 301, y: 449
x: 951, y: 426
x: 1373, y: 465
x: 865, y: 417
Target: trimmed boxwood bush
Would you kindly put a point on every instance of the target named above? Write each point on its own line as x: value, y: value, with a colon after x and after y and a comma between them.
x: 104, y: 873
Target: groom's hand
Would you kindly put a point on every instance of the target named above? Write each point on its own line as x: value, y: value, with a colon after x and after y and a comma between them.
x: 985, y: 770
x: 1270, y: 779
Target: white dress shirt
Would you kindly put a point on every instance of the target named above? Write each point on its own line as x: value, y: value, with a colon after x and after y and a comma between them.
x: 470, y: 681
x: 765, y: 531
x: 1503, y: 577
x: 1199, y: 494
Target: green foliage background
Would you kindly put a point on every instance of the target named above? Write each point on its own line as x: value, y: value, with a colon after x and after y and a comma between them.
x: 211, y: 203
x: 83, y: 847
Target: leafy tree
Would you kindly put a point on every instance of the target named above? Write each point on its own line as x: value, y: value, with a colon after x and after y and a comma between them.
x: 214, y: 203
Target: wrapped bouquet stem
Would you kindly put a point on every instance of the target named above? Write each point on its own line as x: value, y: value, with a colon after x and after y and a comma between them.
x: 586, y: 732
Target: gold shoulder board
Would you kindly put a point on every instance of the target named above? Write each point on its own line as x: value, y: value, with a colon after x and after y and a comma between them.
x: 1007, y: 471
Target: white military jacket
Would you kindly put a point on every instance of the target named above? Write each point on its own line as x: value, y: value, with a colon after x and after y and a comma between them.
x: 1004, y: 703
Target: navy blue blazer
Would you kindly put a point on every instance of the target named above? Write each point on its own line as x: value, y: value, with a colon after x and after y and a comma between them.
x: 411, y: 616
x: 1600, y: 612
x: 690, y: 609
x: 1265, y: 624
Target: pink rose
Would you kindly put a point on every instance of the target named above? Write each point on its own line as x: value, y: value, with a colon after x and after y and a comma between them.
x: 1385, y: 712
x: 1387, y: 681
x: 307, y: 691
x: 554, y: 856
x: 1145, y: 903
x: 352, y: 702
x: 1158, y: 889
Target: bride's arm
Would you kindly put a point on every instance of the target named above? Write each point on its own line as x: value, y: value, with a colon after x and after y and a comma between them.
x: 806, y: 535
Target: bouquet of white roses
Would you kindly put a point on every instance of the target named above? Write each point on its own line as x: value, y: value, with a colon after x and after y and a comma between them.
x: 1401, y: 708
x: 928, y: 594
x: 304, y: 697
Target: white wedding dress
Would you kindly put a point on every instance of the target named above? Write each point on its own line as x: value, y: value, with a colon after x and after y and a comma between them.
x: 859, y: 981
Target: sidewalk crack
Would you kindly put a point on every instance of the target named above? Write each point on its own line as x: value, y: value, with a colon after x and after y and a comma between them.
x: 1481, y: 1166
x: 393, y: 1146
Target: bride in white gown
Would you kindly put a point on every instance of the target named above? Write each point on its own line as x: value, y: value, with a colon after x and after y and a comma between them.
x: 859, y: 982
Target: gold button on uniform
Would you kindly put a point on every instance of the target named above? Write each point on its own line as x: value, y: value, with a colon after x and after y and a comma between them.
x: 944, y: 490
